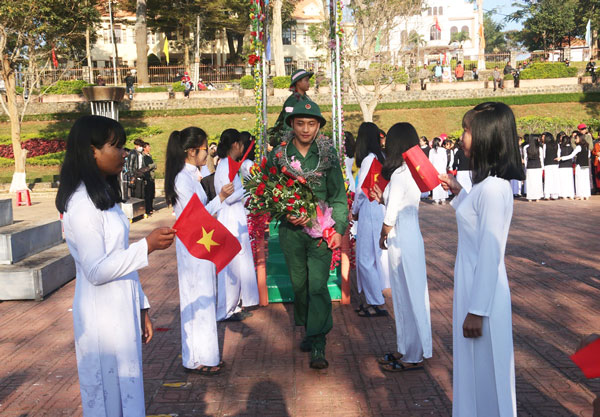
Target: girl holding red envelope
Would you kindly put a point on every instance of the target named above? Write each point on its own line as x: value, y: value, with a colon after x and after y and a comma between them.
x: 372, y: 274
x: 186, y: 151
x: 237, y: 281
x: 484, y: 370
x: 401, y: 236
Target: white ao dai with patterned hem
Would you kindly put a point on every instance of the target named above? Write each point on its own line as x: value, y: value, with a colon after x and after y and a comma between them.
x: 408, y: 273
x: 106, y: 308
x: 372, y: 275
x: 483, y: 371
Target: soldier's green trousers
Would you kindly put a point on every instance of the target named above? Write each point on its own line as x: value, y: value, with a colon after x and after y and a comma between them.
x: 308, y: 265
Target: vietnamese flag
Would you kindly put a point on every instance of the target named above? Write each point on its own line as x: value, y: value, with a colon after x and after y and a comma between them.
x: 374, y: 177
x: 234, y: 166
x: 204, y: 236
x: 588, y: 359
x: 421, y: 168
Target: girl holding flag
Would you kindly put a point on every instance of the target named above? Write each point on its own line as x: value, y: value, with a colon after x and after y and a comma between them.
x: 372, y: 274
x: 237, y: 281
x: 186, y: 151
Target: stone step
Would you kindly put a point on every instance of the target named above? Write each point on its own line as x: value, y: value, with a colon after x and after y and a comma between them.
x: 6, y: 212
x: 38, y: 275
x: 25, y: 238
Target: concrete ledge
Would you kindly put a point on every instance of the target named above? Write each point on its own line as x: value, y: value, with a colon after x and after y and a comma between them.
x: 38, y: 275
x: 6, y: 212
x: 23, y: 239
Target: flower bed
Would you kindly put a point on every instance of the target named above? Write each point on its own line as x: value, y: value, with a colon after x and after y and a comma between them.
x: 36, y: 147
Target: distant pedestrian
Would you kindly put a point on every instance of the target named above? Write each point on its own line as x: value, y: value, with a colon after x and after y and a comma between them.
x: 475, y: 74
x: 459, y: 72
x: 129, y: 81
x: 100, y: 82
x: 498, y: 79
x: 424, y: 75
x: 438, y: 72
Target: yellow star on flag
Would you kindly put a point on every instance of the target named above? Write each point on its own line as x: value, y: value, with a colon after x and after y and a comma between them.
x: 375, y: 177
x: 417, y: 168
x: 207, y: 240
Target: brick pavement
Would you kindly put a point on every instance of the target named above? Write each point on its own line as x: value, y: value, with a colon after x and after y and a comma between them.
x: 554, y: 274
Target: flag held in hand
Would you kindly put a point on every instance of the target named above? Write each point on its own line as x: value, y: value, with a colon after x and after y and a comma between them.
x: 374, y: 177
x: 234, y: 166
x: 421, y: 168
x: 588, y: 359
x: 204, y: 236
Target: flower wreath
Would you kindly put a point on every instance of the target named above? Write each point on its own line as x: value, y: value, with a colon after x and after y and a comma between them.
x: 327, y: 158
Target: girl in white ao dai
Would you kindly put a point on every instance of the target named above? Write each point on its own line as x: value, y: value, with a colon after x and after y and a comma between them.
x: 483, y: 371
x: 110, y: 310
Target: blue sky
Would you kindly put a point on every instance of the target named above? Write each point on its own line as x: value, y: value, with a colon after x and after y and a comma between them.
x: 503, y: 7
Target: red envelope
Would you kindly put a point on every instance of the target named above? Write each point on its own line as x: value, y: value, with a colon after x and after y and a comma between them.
x: 374, y: 177
x: 588, y: 359
x: 421, y: 168
x: 234, y: 166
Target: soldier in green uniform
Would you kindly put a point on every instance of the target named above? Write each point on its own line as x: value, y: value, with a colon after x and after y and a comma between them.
x: 308, y: 259
x: 299, y: 85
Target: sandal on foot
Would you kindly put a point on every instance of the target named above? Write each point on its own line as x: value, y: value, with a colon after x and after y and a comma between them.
x: 207, y: 370
x: 360, y: 308
x: 389, y: 358
x: 378, y: 312
x: 398, y: 366
x: 236, y: 317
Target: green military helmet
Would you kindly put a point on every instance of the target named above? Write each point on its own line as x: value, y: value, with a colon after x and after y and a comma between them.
x: 305, y: 108
x: 298, y: 75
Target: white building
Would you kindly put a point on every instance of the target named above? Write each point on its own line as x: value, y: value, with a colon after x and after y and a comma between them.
x: 435, y: 26
x: 298, y: 47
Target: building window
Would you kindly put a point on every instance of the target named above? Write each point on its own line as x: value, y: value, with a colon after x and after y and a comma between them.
x: 465, y: 29
x: 307, y: 39
x: 286, y: 36
x: 131, y: 35
x: 429, y: 11
x: 440, y: 11
x: 107, y: 37
x: 151, y: 38
x: 453, y: 30
x: 118, y: 34
x: 435, y: 11
x: 435, y: 34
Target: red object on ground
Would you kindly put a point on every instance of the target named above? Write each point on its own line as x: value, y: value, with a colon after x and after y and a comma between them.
x: 588, y: 359
x: 23, y: 198
x: 421, y: 168
x: 234, y: 166
x: 374, y: 177
x: 204, y: 236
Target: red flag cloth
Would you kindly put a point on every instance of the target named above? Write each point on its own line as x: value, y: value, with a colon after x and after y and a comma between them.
x: 374, y: 177
x: 54, y: 60
x: 437, y: 25
x: 588, y: 359
x: 234, y: 166
x: 203, y: 235
x: 422, y: 170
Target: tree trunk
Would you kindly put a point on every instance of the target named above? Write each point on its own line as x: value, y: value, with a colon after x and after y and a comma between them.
x: 481, y: 58
x: 231, y: 45
x: 186, y: 56
x: 141, y: 43
x: 88, y: 54
x: 240, y: 44
x: 277, y: 40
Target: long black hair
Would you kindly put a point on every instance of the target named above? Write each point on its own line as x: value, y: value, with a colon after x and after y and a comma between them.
x: 349, y: 144
x: 228, y: 138
x: 368, y: 141
x: 80, y: 165
x: 247, y: 140
x: 495, y: 143
x: 179, y: 142
x: 551, y: 143
x: 436, y: 143
x: 533, y: 151
x: 400, y: 138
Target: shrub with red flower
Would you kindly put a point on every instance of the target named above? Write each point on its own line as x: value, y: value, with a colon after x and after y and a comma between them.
x: 253, y: 59
x: 36, y: 147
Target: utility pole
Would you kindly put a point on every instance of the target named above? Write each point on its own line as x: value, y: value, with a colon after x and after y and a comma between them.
x: 197, y: 56
x: 112, y: 34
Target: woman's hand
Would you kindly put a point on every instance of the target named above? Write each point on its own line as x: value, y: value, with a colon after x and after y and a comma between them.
x: 473, y: 325
x: 450, y: 183
x: 385, y: 231
x: 335, y: 241
x: 160, y: 238
x: 376, y: 194
x: 298, y: 221
x: 226, y: 191
x: 355, y: 217
x: 147, y: 328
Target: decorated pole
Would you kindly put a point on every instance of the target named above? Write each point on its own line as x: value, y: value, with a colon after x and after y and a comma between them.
x: 257, y: 60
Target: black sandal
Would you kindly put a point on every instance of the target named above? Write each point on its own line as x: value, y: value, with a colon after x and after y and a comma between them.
x: 378, y: 312
x: 389, y: 358
x: 207, y: 370
x: 360, y: 308
x: 398, y: 366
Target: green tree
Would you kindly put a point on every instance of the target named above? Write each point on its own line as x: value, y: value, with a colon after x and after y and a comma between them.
x: 495, y: 40
x: 28, y: 31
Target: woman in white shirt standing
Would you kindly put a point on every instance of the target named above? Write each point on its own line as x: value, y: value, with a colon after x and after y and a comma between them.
x: 401, y: 236
x: 581, y: 156
x: 534, y: 164
x: 372, y: 275
x: 439, y: 159
x: 110, y: 310
x: 186, y: 152
x: 483, y: 371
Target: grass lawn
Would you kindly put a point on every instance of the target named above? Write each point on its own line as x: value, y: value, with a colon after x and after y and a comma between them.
x: 428, y: 121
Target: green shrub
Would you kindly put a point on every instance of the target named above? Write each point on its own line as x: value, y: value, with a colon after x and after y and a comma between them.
x: 247, y: 82
x: 6, y: 162
x: 178, y: 87
x: 540, y: 70
x: 50, y: 159
x: 143, y: 133
x: 66, y: 87
x: 155, y: 89
x: 539, y: 124
x: 282, y: 82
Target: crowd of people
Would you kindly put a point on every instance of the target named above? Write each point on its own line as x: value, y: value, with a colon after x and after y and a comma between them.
x: 111, y: 311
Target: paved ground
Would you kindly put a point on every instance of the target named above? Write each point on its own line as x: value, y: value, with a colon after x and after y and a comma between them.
x: 554, y: 270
